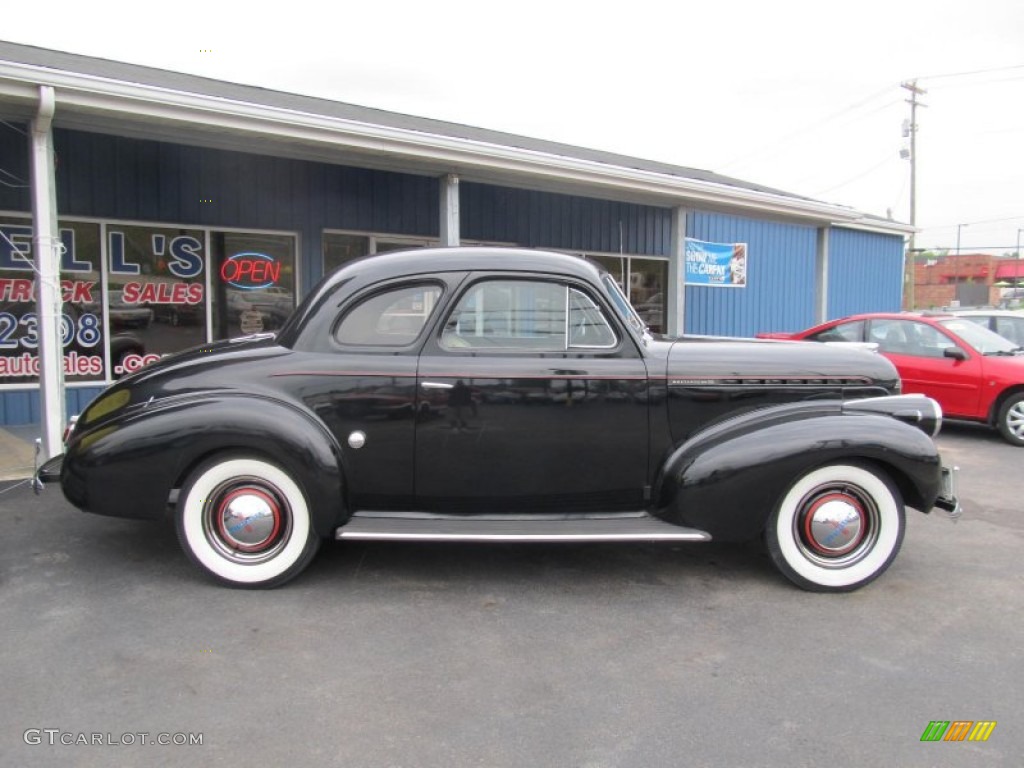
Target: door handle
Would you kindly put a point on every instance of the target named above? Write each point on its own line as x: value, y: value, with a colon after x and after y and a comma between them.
x: 436, y: 385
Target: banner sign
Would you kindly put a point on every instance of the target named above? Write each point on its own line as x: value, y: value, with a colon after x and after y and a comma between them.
x: 722, y: 265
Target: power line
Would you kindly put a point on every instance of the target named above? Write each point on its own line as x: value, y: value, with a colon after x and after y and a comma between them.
x: 975, y: 84
x: 972, y: 223
x: 973, y: 248
x: 813, y: 126
x: 889, y: 157
x: 971, y: 72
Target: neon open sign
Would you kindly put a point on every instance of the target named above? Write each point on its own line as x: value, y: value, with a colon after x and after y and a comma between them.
x: 250, y: 271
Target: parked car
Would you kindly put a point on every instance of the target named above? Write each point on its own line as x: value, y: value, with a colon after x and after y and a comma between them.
x: 552, y: 416
x: 124, y: 315
x: 973, y: 373
x: 274, y: 304
x: 1008, y: 324
x: 179, y: 314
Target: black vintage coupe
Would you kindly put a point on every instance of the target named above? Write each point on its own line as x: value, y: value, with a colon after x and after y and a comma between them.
x: 480, y: 394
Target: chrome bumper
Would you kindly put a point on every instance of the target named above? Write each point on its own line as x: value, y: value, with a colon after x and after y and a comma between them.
x: 49, y: 472
x: 948, y: 500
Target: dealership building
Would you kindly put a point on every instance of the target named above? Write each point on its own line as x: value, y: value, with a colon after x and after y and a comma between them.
x: 168, y: 210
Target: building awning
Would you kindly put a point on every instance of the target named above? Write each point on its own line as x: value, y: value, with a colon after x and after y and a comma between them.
x: 1009, y: 270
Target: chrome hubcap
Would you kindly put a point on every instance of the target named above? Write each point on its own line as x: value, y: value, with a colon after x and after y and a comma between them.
x: 246, y: 520
x: 836, y: 525
x: 1015, y: 420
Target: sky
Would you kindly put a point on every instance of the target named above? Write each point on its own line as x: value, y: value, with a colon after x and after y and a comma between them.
x: 799, y: 95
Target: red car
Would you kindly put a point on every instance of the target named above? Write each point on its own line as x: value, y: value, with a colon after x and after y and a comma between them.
x: 972, y: 372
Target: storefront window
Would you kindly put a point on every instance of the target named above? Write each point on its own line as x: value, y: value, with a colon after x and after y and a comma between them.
x: 156, y: 293
x: 154, y: 300
x: 383, y: 246
x: 340, y: 248
x: 614, y: 265
x: 646, y: 288
x: 648, y: 280
x: 82, y: 320
x: 253, y: 282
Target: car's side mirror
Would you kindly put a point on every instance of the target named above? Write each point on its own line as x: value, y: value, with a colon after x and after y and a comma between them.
x: 955, y: 352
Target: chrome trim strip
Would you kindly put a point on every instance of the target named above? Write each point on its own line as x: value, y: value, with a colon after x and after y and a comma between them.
x: 341, y: 533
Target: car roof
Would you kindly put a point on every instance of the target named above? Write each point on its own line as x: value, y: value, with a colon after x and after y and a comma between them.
x: 925, y: 316
x: 984, y: 312
x: 418, y: 261
x: 909, y: 315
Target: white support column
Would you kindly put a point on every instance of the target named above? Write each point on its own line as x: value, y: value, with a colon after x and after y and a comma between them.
x: 675, y: 311
x: 47, y: 248
x: 821, y: 277
x: 450, y: 210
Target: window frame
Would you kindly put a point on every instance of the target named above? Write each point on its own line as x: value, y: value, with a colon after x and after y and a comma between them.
x: 381, y: 290
x: 565, y: 285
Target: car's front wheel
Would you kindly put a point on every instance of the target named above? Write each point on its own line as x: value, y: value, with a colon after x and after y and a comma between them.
x: 837, y: 528
x: 1011, y: 419
x: 246, y: 522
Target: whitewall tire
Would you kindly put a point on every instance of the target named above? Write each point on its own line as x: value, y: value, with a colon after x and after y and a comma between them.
x: 246, y: 522
x: 837, y: 528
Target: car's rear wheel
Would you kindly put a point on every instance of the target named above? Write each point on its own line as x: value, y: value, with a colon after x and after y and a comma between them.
x: 246, y: 522
x: 1011, y: 419
x: 837, y: 528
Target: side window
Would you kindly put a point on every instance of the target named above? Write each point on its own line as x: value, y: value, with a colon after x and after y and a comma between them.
x: 845, y: 332
x: 587, y: 326
x: 525, y: 315
x: 392, y: 318
x: 906, y: 337
x: 1011, y: 328
x: 892, y: 336
x: 928, y: 341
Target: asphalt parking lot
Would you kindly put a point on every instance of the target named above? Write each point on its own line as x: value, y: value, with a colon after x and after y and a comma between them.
x: 400, y: 655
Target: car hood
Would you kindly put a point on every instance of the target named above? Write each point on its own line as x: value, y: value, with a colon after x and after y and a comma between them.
x: 714, y: 360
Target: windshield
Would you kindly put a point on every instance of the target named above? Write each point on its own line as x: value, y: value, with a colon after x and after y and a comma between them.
x: 623, y: 307
x: 982, y: 339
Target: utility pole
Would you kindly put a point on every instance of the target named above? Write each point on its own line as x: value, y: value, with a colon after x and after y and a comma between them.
x: 910, y: 130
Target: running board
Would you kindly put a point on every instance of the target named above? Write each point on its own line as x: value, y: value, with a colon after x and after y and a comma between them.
x: 424, y: 526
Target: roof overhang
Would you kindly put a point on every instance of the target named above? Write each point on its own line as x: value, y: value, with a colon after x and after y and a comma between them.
x: 139, y: 110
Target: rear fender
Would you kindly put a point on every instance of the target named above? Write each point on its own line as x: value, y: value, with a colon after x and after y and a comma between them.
x: 130, y: 467
x: 728, y: 479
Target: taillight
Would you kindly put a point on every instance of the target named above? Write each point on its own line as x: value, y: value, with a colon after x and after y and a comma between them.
x: 70, y: 428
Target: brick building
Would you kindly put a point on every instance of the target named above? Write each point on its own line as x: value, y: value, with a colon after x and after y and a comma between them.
x: 973, y: 279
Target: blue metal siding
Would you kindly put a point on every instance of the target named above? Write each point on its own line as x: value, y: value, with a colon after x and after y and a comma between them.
x: 118, y: 178
x: 14, y: 168
x: 780, y: 278
x: 865, y: 272
x: 547, y: 220
x: 18, y: 407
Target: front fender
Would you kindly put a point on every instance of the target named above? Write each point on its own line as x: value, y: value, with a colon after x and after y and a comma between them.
x: 128, y: 466
x: 728, y: 479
